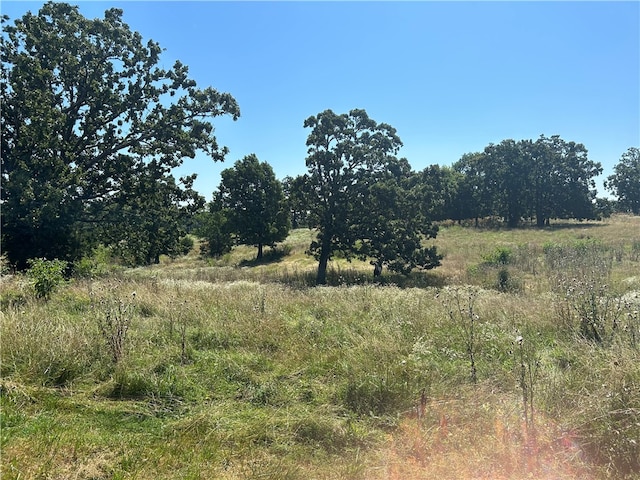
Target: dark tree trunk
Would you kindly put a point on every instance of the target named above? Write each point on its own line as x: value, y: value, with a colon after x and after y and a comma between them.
x: 321, y: 279
x: 259, y: 257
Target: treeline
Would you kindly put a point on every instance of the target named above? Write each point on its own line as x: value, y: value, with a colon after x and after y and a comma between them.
x: 93, y: 126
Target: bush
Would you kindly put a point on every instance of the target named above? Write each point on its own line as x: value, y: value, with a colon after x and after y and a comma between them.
x: 185, y: 245
x: 46, y: 275
x: 98, y: 264
x: 499, y: 256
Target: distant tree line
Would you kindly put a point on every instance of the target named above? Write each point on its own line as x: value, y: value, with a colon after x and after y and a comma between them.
x: 92, y: 128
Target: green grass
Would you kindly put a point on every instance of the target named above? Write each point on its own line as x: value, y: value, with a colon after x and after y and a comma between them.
x: 235, y: 369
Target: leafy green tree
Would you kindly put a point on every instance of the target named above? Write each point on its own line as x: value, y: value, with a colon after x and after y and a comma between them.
x: 213, y: 227
x: 352, y: 187
x: 295, y: 191
x: 625, y: 182
x: 46, y: 276
x: 394, y: 227
x: 255, y: 203
x: 147, y: 218
x: 561, y: 181
x: 85, y: 106
x: 472, y: 198
x: 506, y: 174
x: 439, y: 189
x: 516, y: 179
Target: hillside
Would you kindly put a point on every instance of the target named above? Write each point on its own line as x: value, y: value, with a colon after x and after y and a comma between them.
x: 518, y: 358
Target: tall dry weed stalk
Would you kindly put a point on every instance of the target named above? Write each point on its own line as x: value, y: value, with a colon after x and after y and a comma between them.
x: 459, y: 303
x: 528, y: 362
x: 114, y: 316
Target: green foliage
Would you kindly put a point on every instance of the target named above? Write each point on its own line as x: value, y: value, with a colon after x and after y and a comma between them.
x: 99, y: 264
x: 548, y: 178
x: 46, y: 276
x: 152, y: 222
x: 92, y: 127
x: 213, y: 227
x: 254, y: 204
x: 625, y: 182
x: 185, y: 245
x: 471, y: 199
x: 357, y: 194
x: 499, y: 256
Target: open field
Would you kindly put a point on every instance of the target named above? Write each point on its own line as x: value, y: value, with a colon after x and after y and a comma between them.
x: 519, y: 358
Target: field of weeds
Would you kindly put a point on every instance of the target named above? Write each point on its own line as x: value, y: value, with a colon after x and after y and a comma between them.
x: 518, y: 358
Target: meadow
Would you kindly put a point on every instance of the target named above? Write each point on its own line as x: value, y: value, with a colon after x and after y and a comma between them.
x: 518, y: 358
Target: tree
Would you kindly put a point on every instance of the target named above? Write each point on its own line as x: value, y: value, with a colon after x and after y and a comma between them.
x: 395, y: 225
x: 506, y: 173
x: 147, y: 218
x: 472, y: 198
x: 546, y: 178
x: 561, y: 183
x: 351, y: 165
x: 439, y: 189
x: 212, y: 225
x: 255, y: 203
x: 85, y: 107
x: 295, y: 191
x: 625, y: 182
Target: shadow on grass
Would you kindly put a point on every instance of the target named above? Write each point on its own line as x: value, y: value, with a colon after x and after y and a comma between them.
x: 493, y: 224
x: 568, y: 225
x: 273, y: 255
x: 339, y: 277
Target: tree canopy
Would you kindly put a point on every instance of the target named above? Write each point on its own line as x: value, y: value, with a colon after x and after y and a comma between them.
x: 625, y: 182
x: 352, y: 167
x: 254, y: 202
x: 546, y: 178
x: 89, y: 121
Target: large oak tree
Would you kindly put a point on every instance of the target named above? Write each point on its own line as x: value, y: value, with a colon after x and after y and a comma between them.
x: 353, y: 189
x: 86, y: 108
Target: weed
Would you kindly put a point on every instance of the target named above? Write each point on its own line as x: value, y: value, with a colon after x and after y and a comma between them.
x: 262, y: 376
x: 114, y: 316
x: 528, y: 362
x: 46, y: 276
x: 594, y: 308
x: 459, y: 303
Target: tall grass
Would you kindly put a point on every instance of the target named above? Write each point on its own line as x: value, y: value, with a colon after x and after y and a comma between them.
x: 232, y: 371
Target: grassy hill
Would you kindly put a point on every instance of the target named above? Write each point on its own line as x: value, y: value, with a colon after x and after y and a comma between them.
x: 233, y: 369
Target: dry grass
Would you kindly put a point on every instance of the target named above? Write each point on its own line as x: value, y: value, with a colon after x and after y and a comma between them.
x: 233, y: 369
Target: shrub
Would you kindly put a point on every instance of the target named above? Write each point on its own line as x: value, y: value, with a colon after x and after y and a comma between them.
x: 507, y: 282
x: 98, y: 264
x: 499, y: 256
x: 46, y: 276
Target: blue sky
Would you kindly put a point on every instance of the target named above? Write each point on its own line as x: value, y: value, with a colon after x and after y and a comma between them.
x: 451, y: 77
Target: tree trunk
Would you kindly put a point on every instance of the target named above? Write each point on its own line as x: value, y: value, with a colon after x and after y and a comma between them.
x: 321, y: 278
x: 259, y: 257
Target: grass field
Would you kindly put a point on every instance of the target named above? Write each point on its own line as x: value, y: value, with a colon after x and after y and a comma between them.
x: 519, y: 358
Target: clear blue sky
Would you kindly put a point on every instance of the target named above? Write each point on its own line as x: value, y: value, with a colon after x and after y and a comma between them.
x: 451, y: 77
